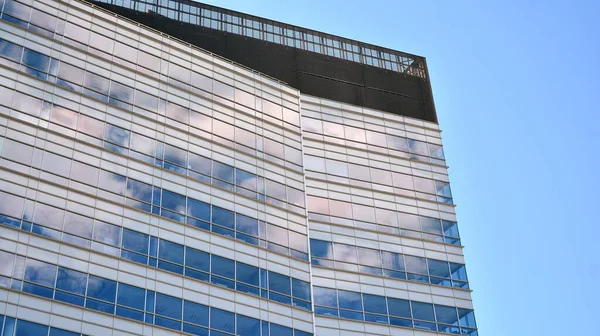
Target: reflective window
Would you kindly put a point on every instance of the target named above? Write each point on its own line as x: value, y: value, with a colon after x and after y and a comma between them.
x: 223, y: 266
x: 131, y: 296
x: 40, y: 272
x: 279, y: 283
x: 246, y: 224
x: 350, y: 300
x: 280, y: 330
x: 223, y: 171
x: 135, y: 241
x: 197, y: 259
x: 247, y: 273
x: 139, y: 190
x: 170, y: 251
x: 369, y: 257
x: 169, y: 306
x: 26, y: 328
x: 198, y: 209
x: 416, y: 264
x: 375, y: 304
x: 247, y: 326
x: 325, y: 297
x: 102, y: 289
x: 107, y: 233
x: 222, y: 320
x: 84, y: 173
x: 445, y: 314
x: 56, y: 164
x: 399, y: 307
x: 10, y: 51
x: 36, y: 60
x: 422, y: 311
x: 345, y: 253
x: 195, y: 313
x: 277, y: 234
x: 301, y: 289
x: 223, y: 217
x: 17, y: 151
x: 321, y: 249
x: 173, y: 201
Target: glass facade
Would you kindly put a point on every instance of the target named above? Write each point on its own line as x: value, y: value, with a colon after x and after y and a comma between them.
x: 148, y: 187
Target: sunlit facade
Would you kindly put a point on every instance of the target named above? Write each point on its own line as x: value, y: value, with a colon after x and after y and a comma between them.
x: 150, y: 187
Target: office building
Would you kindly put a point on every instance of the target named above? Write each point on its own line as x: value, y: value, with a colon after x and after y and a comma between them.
x: 173, y: 168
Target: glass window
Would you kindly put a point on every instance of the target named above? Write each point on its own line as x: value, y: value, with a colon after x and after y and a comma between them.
x: 274, y: 148
x: 17, y: 151
x: 90, y: 126
x: 325, y: 297
x: 399, y: 307
x: 369, y: 257
x: 26, y: 328
x: 459, y: 272
x: 443, y: 189
x: 222, y: 320
x: 198, y: 209
x: 197, y: 259
x: 149, y: 61
x: 422, y: 311
x: 61, y: 332
x: 135, y: 241
x: 418, y: 147
x: 121, y: 92
x: 397, y: 143
x: 450, y: 228
x: 177, y: 112
x: 317, y: 204
x: 36, y: 60
x: 246, y: 224
x: 445, y: 314
x: 381, y: 176
x: 200, y: 164
x: 272, y: 109
x: 131, y: 296
x: 312, y: 125
x: 223, y: 171
x: 377, y: 139
x: 223, y: 90
x: 247, y: 273
x: 112, y: 182
x: 96, y: 83
x: 71, y: 281
x: 107, y: 233
x: 438, y: 268
x: 169, y: 306
x: 280, y: 330
x: 279, y: 283
x: 431, y: 225
x: 363, y: 213
x: 84, y: 173
x: 223, y: 217
x: 467, y: 318
x: 392, y: 260
x: 48, y: 216
x: 139, y: 190
x: 247, y: 326
x: 340, y: 209
x: 355, y: 134
x: 436, y: 151
x: 275, y: 190
x: 321, y: 249
x: 195, y: 313
x: 277, y: 235
x: 40, y: 272
x: 416, y: 264
x: 102, y: 289
x: 337, y: 168
x: 70, y: 74
x: 409, y: 221
x: 333, y: 129
x: 316, y: 164
x: 170, y: 251
x: 146, y: 100
x: 56, y: 164
x: 11, y: 51
x: 402, y: 181
x: 11, y: 205
x: 350, y: 300
x: 345, y: 253
x: 386, y: 217
x: 375, y: 304
x: 223, y: 266
x: 117, y: 135
x: 298, y: 241
x: 359, y: 172
x: 78, y: 225
x: 245, y: 179
x: 301, y: 289
x: 7, y: 261
x: 173, y: 201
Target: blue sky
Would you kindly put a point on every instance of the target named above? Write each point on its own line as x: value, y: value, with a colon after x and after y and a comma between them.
x: 517, y: 90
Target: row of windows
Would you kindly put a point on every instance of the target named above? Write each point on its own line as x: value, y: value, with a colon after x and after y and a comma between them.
x: 9, y: 326
x: 157, y: 201
x: 387, y: 221
x: 397, y: 312
x: 126, y: 97
x: 151, y: 151
x: 389, y: 264
x: 376, y: 141
x: 438, y: 191
x: 286, y: 35
x: 153, y: 251
x: 132, y: 302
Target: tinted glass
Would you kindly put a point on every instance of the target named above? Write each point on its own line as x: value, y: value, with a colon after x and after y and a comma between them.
x: 301, y: 289
x: 247, y: 273
x: 279, y: 283
x: 102, y: 289
x: 247, y: 326
x: 399, y: 307
x: 223, y: 217
x: 350, y: 300
x: 170, y: 251
x: 325, y: 297
x: 40, y: 272
x: 321, y: 249
x: 195, y: 313
x: 445, y: 314
x: 169, y: 306
x: 71, y: 281
x: 222, y: 320
x: 422, y: 311
x: 173, y: 201
x: 375, y: 304
x: 223, y: 266
x: 197, y: 259
x: 26, y: 328
x: 131, y: 296
x: 135, y: 241
x: 198, y: 209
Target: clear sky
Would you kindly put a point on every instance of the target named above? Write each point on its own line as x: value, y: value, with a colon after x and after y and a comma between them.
x: 517, y: 90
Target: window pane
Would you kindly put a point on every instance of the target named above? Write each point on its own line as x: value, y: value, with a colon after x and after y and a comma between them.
x: 11, y: 205
x: 223, y: 217
x: 301, y: 289
x: 223, y: 171
x: 71, y: 281
x: 90, y: 126
x: 56, y: 164
x: 277, y: 235
x: 197, y: 259
x: 246, y: 224
x: 247, y: 326
x: 40, y: 272
x: 422, y: 311
x: 135, y: 241
x: 139, y: 190
x: 169, y: 306
x: 223, y: 266
x: 111, y: 182
x: 48, y: 216
x: 222, y: 320
x: 102, y: 289
x: 36, y: 60
x: 195, y: 313
x: 340, y: 209
x: 7, y: 261
x: 321, y: 249
x: 416, y: 264
x: 245, y: 179
x: 84, y: 173
x: 198, y: 209
x: 279, y: 283
x: 392, y: 260
x: 280, y: 330
x: 350, y: 300
x: 445, y: 314
x: 170, y: 251
x: 467, y: 318
x: 247, y: 273
x: 399, y: 307
x: 26, y: 328
x: 17, y: 151
x: 438, y: 268
x: 345, y: 253
x: 200, y: 164
x: 325, y: 297
x: 375, y: 304
x: 337, y: 168
x: 131, y: 296
x: 173, y: 201
x: 369, y: 257
x: 107, y: 233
